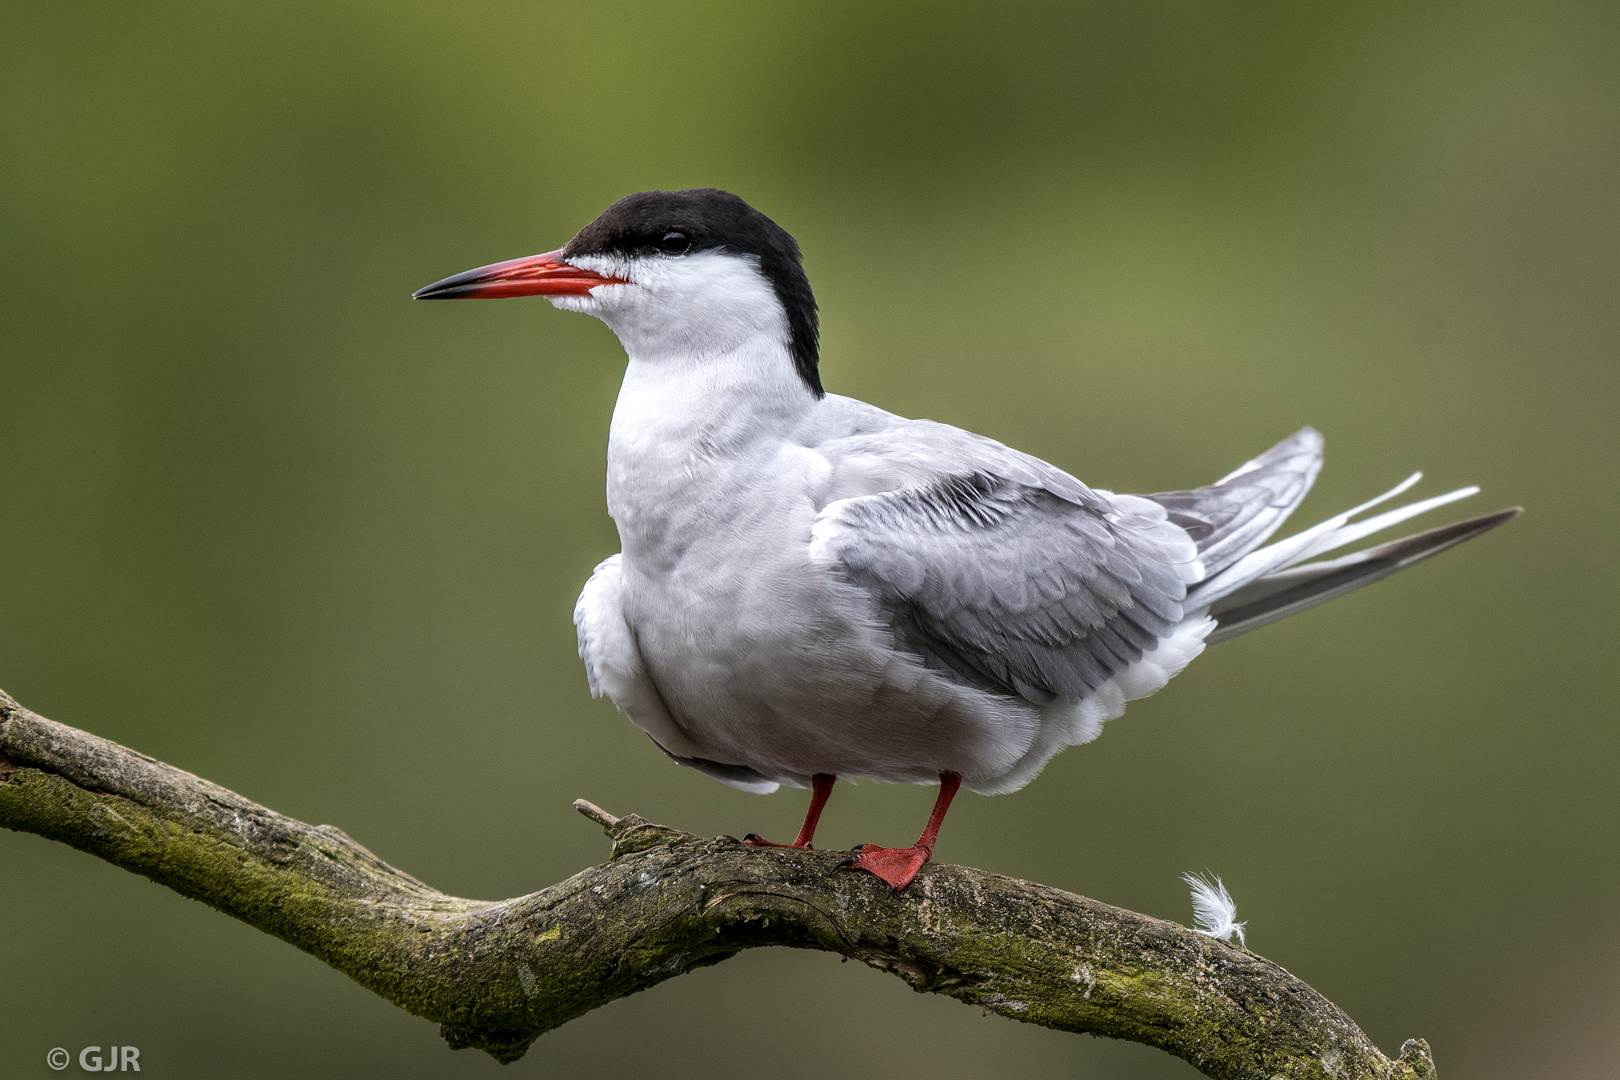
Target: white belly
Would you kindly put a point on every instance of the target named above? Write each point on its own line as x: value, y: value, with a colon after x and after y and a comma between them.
x: 718, y: 635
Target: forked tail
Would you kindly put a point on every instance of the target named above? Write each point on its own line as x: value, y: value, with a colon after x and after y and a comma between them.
x: 1247, y: 586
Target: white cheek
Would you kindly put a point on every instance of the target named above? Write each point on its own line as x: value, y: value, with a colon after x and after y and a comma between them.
x: 600, y: 301
x: 624, y: 268
x: 710, y: 301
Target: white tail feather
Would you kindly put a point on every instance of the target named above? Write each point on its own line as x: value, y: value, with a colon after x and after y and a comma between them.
x: 1351, y: 533
x: 1335, y: 532
x: 1214, y: 912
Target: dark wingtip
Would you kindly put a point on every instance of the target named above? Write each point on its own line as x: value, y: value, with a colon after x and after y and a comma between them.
x: 1472, y: 527
x: 1411, y: 550
x: 1353, y: 572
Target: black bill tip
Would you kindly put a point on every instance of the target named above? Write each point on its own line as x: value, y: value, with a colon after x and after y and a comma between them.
x: 455, y: 287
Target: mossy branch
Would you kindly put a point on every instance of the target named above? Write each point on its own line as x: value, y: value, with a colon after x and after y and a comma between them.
x: 497, y: 975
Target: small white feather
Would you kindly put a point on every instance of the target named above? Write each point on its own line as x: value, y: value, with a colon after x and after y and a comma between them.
x: 1213, y: 910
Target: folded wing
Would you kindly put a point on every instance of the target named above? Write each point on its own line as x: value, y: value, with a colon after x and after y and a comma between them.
x: 1236, y: 514
x: 1013, y: 585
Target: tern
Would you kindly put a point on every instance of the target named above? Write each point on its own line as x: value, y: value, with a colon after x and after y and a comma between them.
x: 810, y: 587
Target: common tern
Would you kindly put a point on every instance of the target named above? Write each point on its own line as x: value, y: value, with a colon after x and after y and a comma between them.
x: 811, y: 587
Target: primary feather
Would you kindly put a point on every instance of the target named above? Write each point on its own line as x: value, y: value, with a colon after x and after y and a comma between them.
x: 1238, y: 512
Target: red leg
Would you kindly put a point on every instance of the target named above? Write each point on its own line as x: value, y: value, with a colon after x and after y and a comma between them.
x: 898, y: 866
x: 821, y: 786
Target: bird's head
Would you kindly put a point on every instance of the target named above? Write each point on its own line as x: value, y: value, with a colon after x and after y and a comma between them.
x: 672, y: 273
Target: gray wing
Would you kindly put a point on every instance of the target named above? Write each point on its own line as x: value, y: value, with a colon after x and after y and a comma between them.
x: 1236, y: 514
x: 1033, y: 586
x: 1300, y: 588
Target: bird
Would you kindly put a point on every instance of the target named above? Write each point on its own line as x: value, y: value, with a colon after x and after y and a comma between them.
x: 810, y: 587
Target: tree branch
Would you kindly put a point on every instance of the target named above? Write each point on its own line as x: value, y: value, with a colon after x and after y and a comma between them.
x: 497, y: 975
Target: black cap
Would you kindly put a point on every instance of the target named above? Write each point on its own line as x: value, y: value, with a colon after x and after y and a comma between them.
x: 703, y: 219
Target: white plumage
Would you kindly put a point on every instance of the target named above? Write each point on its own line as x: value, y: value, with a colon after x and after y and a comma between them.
x: 810, y: 586
x: 780, y: 551
x: 1214, y: 912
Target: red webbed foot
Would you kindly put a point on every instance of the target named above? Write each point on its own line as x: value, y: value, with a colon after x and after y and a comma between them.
x: 898, y: 866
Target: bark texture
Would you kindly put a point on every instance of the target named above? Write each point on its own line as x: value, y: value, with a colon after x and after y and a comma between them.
x: 498, y: 974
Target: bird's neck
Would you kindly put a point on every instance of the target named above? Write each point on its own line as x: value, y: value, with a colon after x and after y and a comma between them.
x: 687, y: 423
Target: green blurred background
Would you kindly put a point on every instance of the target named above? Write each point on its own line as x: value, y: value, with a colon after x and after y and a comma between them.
x: 269, y: 520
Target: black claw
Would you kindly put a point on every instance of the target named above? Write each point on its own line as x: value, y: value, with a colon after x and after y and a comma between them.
x: 840, y: 866
x: 857, y: 847
x: 752, y: 836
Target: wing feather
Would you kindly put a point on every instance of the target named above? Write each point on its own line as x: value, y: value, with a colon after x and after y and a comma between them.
x: 1238, y: 512
x: 1025, y: 584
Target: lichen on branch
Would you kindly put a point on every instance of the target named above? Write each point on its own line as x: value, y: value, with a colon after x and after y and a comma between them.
x: 498, y: 974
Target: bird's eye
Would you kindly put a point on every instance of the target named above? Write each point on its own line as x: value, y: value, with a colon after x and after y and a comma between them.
x: 674, y: 243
